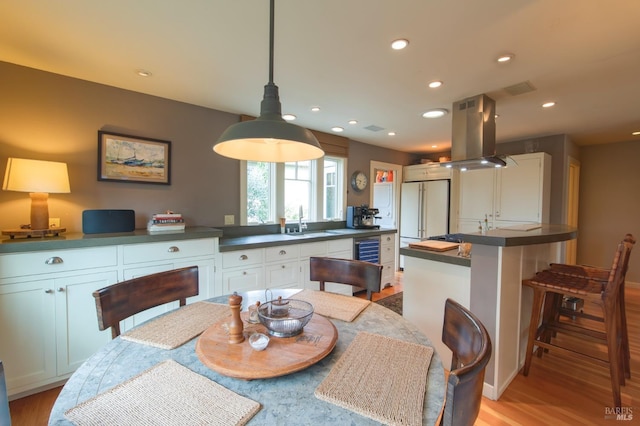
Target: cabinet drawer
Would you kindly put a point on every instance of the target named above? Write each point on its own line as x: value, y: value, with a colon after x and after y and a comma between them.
x: 345, y: 244
x: 242, y: 258
x: 387, y: 239
x: 387, y: 253
x: 282, y: 253
x: 51, y: 261
x: 167, y: 250
x: 313, y: 249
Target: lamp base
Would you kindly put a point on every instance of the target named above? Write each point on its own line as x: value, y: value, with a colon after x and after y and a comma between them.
x: 28, y: 233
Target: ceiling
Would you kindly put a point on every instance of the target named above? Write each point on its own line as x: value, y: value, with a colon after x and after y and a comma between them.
x: 335, y: 54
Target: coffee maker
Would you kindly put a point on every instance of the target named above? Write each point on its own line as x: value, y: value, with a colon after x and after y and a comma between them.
x: 362, y: 217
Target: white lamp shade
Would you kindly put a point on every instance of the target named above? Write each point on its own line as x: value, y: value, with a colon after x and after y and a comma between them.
x: 36, y: 176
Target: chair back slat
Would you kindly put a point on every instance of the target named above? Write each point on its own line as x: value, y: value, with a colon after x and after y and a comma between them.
x: 357, y: 273
x: 469, y: 341
x: 120, y: 301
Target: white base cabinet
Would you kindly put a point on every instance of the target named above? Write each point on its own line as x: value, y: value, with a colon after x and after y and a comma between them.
x: 49, y: 324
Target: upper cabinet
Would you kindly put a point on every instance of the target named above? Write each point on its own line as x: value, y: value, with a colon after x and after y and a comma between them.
x: 507, y: 196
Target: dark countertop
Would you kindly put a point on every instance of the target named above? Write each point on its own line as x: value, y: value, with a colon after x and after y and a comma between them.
x: 270, y: 240
x: 80, y: 240
x: 450, y: 256
x: 508, y: 238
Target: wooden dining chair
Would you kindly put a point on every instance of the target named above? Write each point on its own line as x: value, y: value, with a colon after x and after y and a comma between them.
x: 546, y: 329
x: 120, y: 301
x: 5, y: 415
x: 602, y: 275
x: 365, y: 275
x: 470, y: 344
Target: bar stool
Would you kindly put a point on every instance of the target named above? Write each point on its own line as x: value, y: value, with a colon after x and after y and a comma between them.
x: 545, y: 324
x: 602, y: 275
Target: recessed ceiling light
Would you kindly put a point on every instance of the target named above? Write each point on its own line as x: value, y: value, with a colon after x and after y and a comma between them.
x: 505, y: 58
x: 636, y: 133
x: 315, y: 109
x: 434, y: 146
x: 399, y: 44
x: 435, y: 84
x: 435, y: 113
x: 143, y: 73
x: 337, y: 129
x: 391, y: 133
x: 353, y: 121
x: 289, y: 117
x: 548, y: 104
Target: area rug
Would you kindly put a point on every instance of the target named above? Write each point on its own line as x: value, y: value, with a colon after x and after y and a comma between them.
x: 393, y: 302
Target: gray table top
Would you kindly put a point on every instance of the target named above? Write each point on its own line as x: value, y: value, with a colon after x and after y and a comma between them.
x: 285, y: 400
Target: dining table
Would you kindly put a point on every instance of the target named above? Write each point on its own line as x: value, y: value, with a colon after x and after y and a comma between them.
x: 286, y: 399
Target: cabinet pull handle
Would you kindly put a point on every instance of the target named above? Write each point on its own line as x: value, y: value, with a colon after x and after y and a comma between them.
x: 282, y: 252
x: 54, y: 260
x: 48, y: 291
x: 173, y: 249
x: 244, y: 257
x: 61, y: 289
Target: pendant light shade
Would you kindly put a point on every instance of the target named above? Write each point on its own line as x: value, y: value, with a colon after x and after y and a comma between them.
x: 269, y: 137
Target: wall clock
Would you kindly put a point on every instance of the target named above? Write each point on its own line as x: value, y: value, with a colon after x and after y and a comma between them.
x: 359, y: 180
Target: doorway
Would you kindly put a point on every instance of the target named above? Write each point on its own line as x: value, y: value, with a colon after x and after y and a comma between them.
x: 385, y: 195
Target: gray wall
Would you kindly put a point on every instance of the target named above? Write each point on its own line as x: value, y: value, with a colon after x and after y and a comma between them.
x: 46, y: 116
x: 609, y: 203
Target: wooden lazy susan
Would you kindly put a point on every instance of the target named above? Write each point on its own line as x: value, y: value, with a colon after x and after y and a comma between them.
x: 283, y: 355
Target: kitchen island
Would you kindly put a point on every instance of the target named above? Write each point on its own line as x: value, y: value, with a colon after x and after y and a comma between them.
x: 489, y: 284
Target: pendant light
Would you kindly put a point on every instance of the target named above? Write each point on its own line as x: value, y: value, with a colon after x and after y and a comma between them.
x: 269, y: 137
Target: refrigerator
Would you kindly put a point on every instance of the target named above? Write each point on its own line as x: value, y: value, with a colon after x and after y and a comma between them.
x: 424, y: 211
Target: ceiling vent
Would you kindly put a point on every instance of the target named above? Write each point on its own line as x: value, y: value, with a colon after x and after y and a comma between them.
x: 520, y: 88
x: 374, y: 128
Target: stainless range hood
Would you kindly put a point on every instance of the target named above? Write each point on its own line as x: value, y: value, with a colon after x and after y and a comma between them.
x: 473, y: 138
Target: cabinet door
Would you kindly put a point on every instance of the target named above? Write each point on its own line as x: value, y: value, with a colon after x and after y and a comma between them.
x: 519, y: 191
x: 282, y: 275
x: 476, y: 194
x: 77, y: 333
x: 27, y: 333
x: 245, y: 279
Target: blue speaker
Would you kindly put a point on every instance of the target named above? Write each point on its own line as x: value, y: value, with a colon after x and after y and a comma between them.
x: 108, y: 221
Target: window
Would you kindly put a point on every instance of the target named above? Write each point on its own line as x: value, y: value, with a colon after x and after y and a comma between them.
x: 276, y: 190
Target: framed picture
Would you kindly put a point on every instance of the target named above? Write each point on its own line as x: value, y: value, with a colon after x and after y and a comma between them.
x: 125, y: 158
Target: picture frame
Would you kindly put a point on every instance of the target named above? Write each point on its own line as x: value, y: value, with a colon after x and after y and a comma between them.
x: 134, y: 159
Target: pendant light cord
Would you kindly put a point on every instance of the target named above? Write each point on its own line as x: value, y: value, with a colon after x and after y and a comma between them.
x: 271, y: 24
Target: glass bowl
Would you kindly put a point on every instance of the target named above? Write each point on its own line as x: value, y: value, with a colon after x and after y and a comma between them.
x: 285, y: 317
x: 259, y: 341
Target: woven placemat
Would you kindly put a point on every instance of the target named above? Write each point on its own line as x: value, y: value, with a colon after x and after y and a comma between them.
x: 178, y: 327
x: 167, y: 394
x: 333, y: 305
x: 379, y: 377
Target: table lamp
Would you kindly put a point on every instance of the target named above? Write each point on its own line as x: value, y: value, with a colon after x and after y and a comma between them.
x: 39, y: 178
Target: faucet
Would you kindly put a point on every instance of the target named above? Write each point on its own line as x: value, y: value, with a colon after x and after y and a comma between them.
x: 301, y: 225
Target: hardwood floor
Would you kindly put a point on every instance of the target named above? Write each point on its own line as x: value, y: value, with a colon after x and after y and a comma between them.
x: 557, y: 391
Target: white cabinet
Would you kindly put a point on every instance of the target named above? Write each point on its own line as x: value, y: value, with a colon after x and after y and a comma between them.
x: 388, y: 258
x: 340, y: 248
x: 507, y: 196
x: 49, y: 324
x: 242, y: 270
x: 282, y: 268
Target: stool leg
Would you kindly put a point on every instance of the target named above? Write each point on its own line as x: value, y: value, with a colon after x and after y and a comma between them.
x: 536, y: 309
x: 626, y: 355
x: 613, y: 346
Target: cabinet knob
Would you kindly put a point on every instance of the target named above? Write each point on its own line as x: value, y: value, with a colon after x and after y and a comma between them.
x: 244, y: 257
x: 282, y: 252
x: 283, y: 266
x: 48, y: 291
x: 61, y: 289
x: 54, y: 260
x: 244, y: 272
x: 173, y: 249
